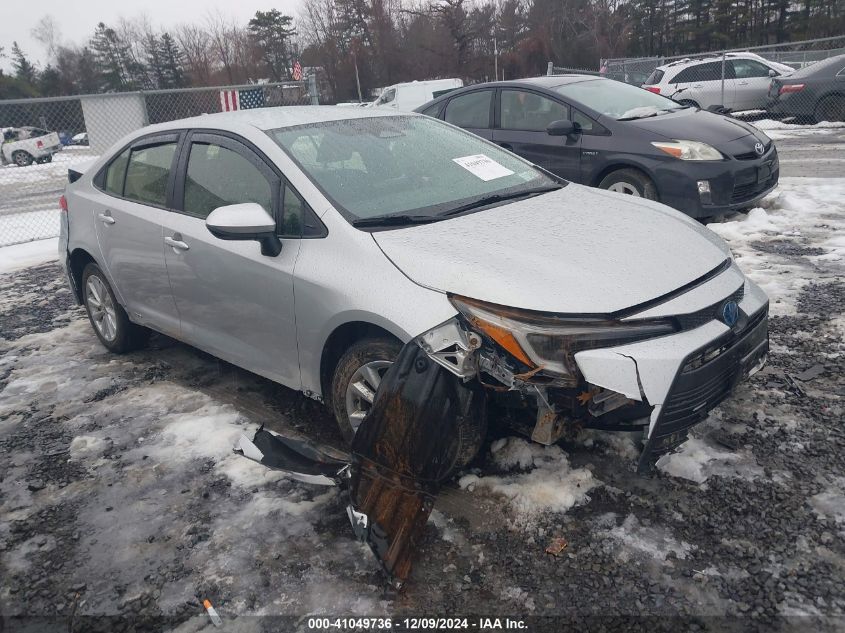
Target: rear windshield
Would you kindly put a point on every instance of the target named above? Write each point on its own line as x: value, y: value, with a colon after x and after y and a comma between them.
x: 379, y: 166
x: 654, y: 78
x: 824, y: 67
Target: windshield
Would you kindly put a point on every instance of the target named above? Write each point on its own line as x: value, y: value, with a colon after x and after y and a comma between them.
x: 617, y: 100
x: 379, y: 166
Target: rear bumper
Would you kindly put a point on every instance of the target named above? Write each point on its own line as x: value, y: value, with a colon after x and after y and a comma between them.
x: 734, y: 184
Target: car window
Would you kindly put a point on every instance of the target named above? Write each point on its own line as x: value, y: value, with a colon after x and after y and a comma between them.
x: 470, y: 110
x: 402, y: 164
x: 586, y: 123
x: 148, y: 172
x: 387, y: 96
x: 433, y: 110
x: 748, y: 68
x: 293, y: 210
x: 711, y: 71
x: 218, y: 176
x: 654, y: 78
x: 116, y: 174
x: 523, y: 110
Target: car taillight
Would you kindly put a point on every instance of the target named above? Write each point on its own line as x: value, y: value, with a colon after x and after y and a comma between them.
x: 39, y: 144
x: 63, y: 204
x: 791, y: 88
x: 653, y: 89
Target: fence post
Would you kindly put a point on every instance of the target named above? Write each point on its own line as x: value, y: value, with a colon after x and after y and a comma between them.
x: 312, y: 88
x: 723, y: 79
x: 550, y: 69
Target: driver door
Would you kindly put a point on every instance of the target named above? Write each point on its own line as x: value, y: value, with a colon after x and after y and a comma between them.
x: 233, y: 301
x: 522, y: 119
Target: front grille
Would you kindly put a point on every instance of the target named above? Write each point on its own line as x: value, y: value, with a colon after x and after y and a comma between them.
x: 705, y: 315
x: 752, y: 154
x: 748, y: 190
x: 708, y: 377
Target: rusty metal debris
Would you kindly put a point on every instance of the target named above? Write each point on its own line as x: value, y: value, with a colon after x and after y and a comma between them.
x: 556, y: 547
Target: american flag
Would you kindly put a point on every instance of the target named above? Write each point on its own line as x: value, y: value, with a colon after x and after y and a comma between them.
x: 241, y: 99
x: 297, y: 71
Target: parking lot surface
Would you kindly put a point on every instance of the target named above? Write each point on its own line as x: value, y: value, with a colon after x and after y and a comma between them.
x: 120, y: 496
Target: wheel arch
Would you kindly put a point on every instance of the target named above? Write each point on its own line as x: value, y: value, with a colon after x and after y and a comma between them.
x: 618, y: 166
x: 340, y: 339
x: 77, y: 261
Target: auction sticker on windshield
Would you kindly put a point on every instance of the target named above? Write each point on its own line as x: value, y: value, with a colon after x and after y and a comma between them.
x: 483, y: 167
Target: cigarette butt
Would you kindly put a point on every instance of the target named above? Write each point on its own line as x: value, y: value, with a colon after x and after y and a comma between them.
x: 215, y: 619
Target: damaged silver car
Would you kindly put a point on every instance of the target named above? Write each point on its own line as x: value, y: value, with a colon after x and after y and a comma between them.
x: 417, y: 279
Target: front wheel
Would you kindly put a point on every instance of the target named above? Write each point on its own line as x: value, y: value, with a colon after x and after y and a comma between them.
x: 356, y: 379
x: 108, y: 318
x: 630, y: 182
x: 21, y: 158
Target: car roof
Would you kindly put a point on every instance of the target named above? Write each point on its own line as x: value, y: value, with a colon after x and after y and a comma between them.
x: 544, y: 81
x: 690, y: 61
x: 277, y: 117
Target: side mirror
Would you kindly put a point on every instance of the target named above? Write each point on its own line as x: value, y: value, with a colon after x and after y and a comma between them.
x: 772, y: 73
x: 564, y: 127
x: 245, y: 221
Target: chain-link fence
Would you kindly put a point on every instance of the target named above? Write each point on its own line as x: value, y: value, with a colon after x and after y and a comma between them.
x: 43, y: 138
x: 804, y: 81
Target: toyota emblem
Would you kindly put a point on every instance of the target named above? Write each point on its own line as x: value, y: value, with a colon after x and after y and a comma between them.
x: 758, y: 147
x: 730, y: 313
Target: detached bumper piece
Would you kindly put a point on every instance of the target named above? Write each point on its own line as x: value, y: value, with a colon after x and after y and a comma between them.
x: 408, y: 444
x: 707, y: 377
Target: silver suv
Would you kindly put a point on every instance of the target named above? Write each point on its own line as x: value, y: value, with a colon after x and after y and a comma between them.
x: 698, y: 82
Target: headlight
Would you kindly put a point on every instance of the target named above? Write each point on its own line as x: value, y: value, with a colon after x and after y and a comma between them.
x: 689, y: 150
x: 550, y: 342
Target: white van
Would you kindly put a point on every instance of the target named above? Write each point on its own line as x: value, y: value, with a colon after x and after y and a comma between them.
x: 409, y: 96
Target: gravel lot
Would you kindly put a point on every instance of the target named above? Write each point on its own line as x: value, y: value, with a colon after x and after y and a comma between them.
x: 122, y: 506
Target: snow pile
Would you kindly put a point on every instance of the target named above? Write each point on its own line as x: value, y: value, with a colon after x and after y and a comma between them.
x: 830, y: 503
x: 549, y: 485
x: 697, y: 460
x: 803, y: 210
x: 14, y: 258
x: 771, y: 124
x: 637, y: 540
x: 621, y: 443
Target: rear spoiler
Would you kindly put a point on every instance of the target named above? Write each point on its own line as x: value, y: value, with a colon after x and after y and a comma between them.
x: 73, y: 175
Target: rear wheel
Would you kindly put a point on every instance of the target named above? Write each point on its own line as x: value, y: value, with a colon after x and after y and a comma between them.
x: 631, y: 182
x: 109, y: 320
x: 22, y: 158
x: 831, y: 108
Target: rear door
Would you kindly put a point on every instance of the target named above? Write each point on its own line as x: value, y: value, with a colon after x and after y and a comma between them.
x: 472, y: 111
x: 233, y: 301
x: 137, y: 190
x: 522, y: 117
x: 702, y: 83
x: 751, y: 82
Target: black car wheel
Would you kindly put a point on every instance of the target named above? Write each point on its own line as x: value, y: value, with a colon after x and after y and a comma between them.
x: 831, y: 108
x: 689, y: 102
x: 631, y: 182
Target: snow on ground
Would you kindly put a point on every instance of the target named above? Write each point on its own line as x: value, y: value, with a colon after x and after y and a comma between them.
x: 57, y: 169
x: 778, y: 130
x: 536, y: 479
x: 698, y: 459
x: 636, y: 539
x: 802, y: 210
x: 28, y: 254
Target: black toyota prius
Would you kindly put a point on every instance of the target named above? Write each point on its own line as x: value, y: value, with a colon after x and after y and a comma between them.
x: 619, y: 137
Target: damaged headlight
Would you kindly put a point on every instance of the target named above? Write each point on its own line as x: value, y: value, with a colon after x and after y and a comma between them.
x: 550, y: 342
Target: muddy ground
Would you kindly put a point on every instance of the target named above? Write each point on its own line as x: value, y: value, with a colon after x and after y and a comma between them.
x: 122, y: 507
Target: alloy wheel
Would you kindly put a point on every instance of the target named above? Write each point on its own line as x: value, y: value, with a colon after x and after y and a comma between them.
x: 361, y: 390
x: 101, y: 308
x: 624, y: 187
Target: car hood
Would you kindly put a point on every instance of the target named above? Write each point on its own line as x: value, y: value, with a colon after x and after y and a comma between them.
x: 693, y: 125
x: 575, y: 250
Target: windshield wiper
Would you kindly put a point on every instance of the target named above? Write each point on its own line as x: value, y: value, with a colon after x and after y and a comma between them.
x: 394, y: 220
x: 499, y: 197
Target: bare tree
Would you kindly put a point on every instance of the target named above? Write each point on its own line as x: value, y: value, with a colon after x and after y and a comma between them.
x: 47, y: 33
x: 195, y: 43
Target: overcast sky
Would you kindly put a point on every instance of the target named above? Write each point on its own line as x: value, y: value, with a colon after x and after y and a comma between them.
x: 77, y: 18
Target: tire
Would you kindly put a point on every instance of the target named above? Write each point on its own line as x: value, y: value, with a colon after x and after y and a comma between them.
x: 689, y: 102
x: 21, y: 158
x: 108, y: 318
x: 830, y: 108
x: 630, y: 181
x: 363, y: 361
x: 45, y: 159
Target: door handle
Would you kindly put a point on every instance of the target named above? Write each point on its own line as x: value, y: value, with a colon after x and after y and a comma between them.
x: 176, y: 243
x: 106, y: 218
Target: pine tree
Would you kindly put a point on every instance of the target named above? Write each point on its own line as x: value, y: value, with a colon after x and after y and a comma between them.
x: 171, y: 60
x: 111, y: 59
x: 24, y: 70
x: 271, y: 31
